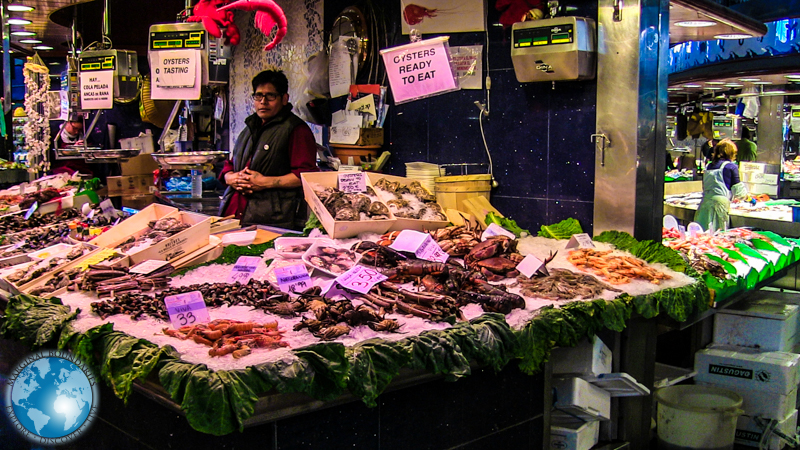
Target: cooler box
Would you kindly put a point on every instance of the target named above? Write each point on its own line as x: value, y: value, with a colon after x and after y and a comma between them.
x: 740, y: 368
x: 765, y: 320
x: 574, y: 435
x: 574, y: 397
x: 749, y: 433
x: 589, y: 357
x: 769, y: 405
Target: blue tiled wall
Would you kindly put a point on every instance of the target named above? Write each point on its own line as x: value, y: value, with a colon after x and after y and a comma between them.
x: 538, y: 134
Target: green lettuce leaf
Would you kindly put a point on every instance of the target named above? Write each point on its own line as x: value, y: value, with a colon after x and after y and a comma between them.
x: 373, y: 365
x: 35, y: 321
x: 439, y: 353
x: 562, y: 230
x: 505, y: 222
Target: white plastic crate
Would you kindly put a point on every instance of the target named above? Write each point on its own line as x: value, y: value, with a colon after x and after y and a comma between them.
x: 575, y: 397
x: 765, y: 320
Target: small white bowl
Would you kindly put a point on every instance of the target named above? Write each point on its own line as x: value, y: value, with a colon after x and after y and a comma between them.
x: 333, y: 263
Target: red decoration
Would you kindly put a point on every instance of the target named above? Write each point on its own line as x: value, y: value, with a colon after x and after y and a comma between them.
x: 513, y: 11
x: 268, y: 14
x: 206, y: 11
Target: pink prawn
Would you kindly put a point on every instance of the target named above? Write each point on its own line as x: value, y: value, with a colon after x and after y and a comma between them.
x: 414, y: 14
x: 268, y: 14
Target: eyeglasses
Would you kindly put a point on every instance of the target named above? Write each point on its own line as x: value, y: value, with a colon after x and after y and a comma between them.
x: 270, y: 96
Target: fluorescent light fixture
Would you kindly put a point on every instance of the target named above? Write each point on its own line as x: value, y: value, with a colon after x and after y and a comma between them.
x: 53, y: 63
x: 674, y: 89
x: 19, y: 8
x: 733, y: 36
x: 779, y: 92
x: 30, y: 41
x: 750, y: 79
x: 762, y: 82
x: 695, y: 23
x: 16, y: 21
x: 715, y: 82
x: 23, y: 33
x: 734, y: 84
x: 793, y: 75
x: 42, y: 47
x: 691, y: 85
x: 713, y: 88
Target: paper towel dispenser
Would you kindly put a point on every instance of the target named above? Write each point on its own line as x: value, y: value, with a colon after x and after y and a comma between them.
x: 562, y: 48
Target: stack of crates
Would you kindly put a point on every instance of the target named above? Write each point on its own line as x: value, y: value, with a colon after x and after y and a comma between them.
x: 754, y: 354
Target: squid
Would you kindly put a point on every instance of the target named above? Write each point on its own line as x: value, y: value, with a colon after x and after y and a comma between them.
x: 268, y: 14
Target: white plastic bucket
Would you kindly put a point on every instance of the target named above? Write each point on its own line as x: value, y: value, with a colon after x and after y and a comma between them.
x: 697, y: 417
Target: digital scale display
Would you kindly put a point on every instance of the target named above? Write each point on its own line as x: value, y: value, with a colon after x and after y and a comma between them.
x: 90, y: 63
x: 537, y: 37
x: 795, y: 113
x: 722, y: 123
x: 177, y: 40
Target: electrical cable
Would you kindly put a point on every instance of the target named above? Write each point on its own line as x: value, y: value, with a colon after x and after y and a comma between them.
x: 483, y: 136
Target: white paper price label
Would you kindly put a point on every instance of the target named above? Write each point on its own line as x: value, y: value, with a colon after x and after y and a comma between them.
x: 496, y: 230
x: 529, y: 265
x: 116, y: 222
x: 108, y: 209
x: 582, y: 240
x: 293, y: 278
x: 421, y: 244
x: 31, y: 210
x: 352, y: 182
x: 244, y: 269
x: 360, y: 279
x: 91, y: 214
x: 148, y: 266
x: 186, y: 309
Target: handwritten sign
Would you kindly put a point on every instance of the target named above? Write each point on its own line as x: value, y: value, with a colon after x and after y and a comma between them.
x: 31, y: 210
x: 186, y: 309
x: 148, y: 266
x: 421, y: 244
x: 360, y: 279
x: 97, y: 89
x: 581, y: 240
x: 352, y: 182
x: 293, y: 278
x: 419, y: 69
x: 529, y: 265
x: 496, y: 230
x: 175, y: 68
x: 244, y: 269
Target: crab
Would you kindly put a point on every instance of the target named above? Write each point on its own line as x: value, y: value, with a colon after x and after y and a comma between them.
x: 490, y: 257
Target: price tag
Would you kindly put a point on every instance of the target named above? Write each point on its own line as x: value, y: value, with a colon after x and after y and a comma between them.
x: 496, y: 230
x: 694, y: 229
x: 293, y: 278
x: 244, y: 269
x: 148, y: 266
x: 31, y: 210
x: 108, y: 209
x: 421, y: 244
x: 360, y: 279
x: 352, y: 182
x: 186, y: 309
x: 91, y: 214
x: 529, y: 265
x: 582, y: 240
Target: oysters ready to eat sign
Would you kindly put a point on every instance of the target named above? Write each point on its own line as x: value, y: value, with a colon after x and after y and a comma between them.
x: 420, y: 69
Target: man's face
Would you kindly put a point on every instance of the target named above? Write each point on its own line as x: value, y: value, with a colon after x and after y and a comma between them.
x: 268, y: 102
x: 74, y: 127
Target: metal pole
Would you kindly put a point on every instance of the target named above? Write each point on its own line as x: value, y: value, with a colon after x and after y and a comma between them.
x: 6, y: 61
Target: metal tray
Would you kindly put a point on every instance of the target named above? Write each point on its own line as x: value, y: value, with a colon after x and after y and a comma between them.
x: 72, y: 152
x: 112, y: 154
x: 188, y: 159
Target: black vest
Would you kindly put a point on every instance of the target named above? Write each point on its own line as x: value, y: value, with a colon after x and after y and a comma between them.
x: 267, y: 146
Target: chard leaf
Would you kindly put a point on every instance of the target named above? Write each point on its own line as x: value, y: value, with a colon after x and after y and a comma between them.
x: 439, y: 353
x: 373, y: 365
x: 561, y: 230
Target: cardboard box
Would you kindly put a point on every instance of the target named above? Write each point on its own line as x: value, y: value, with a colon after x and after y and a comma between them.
x: 129, y: 185
x: 138, y: 201
x: 749, y: 433
x: 402, y: 223
x: 741, y: 368
x: 370, y: 136
x: 589, y: 357
x: 139, y: 165
x: 574, y: 435
x: 343, y: 134
x: 765, y: 320
x: 574, y: 397
x: 180, y: 244
x: 338, y: 229
x: 133, y: 225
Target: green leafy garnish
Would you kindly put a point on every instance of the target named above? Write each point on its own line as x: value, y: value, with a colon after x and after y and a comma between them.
x: 505, y: 222
x: 562, y: 230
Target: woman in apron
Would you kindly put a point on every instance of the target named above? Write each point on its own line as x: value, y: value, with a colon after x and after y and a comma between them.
x: 721, y: 183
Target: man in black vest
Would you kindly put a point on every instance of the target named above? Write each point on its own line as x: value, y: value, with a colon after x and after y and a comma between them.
x: 263, y: 175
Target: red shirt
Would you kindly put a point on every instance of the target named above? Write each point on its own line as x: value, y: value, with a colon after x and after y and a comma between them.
x: 303, y: 159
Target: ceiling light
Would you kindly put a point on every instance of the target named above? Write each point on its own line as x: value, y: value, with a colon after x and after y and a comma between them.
x: 779, y: 92
x: 749, y: 79
x: 695, y: 23
x: 16, y: 21
x: 713, y: 88
x: 42, y: 47
x: 53, y: 63
x: 733, y: 36
x: 20, y: 8
x: 674, y: 89
x: 733, y: 85
x: 763, y: 82
x: 23, y: 33
x: 715, y: 82
x: 30, y: 41
x: 793, y: 75
x: 691, y: 85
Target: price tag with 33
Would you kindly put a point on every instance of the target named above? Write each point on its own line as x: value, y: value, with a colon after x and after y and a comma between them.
x: 186, y: 309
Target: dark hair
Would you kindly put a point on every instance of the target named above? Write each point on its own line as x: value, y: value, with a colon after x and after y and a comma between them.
x: 274, y: 77
x: 746, y: 133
